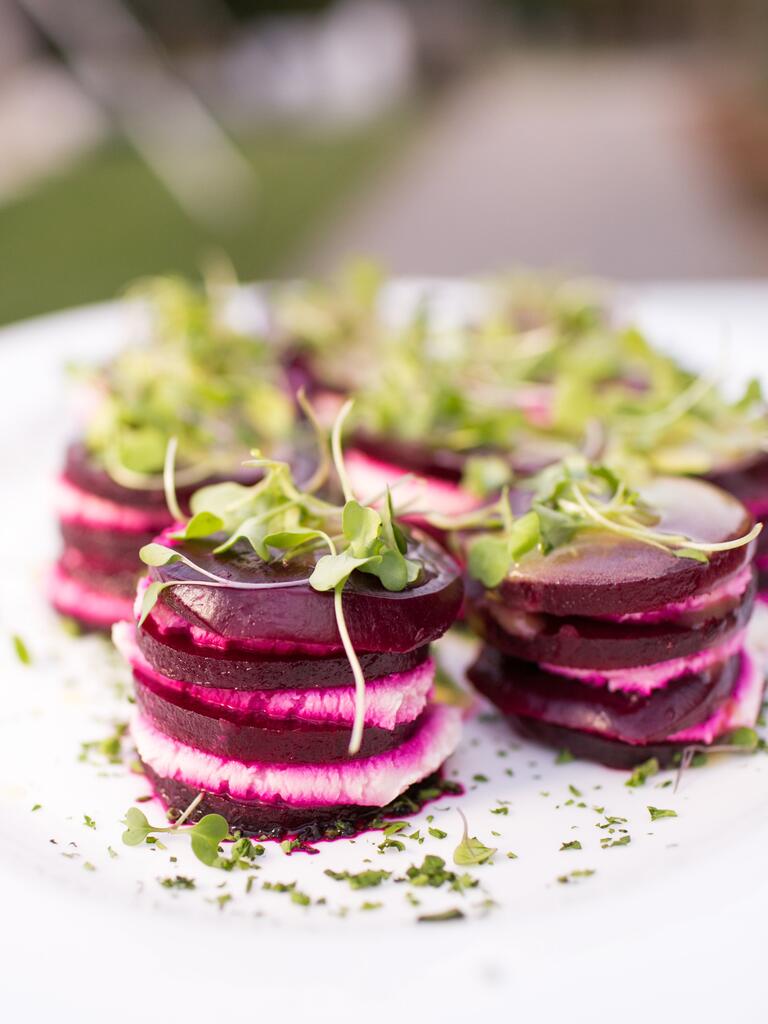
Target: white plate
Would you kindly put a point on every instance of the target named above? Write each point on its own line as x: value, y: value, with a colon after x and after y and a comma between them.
x: 671, y: 923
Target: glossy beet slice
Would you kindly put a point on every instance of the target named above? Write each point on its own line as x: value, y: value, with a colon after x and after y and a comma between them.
x: 604, y: 574
x: 578, y: 642
x: 748, y: 481
x: 98, y: 573
x: 84, y: 471
x: 174, y: 655
x: 378, y: 620
x: 275, y: 820
x: 591, y: 747
x: 108, y: 547
x: 260, y: 739
x: 519, y: 688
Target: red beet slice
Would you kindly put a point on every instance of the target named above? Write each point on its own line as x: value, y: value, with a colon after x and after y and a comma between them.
x: 578, y: 642
x: 748, y: 481
x: 99, y: 574
x: 119, y: 547
x: 377, y: 619
x: 257, y: 738
x: 84, y: 471
x: 604, y: 574
x: 590, y: 747
x: 271, y: 821
x: 519, y: 688
x: 174, y: 655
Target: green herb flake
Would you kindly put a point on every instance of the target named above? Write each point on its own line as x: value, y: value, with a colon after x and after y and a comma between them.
x: 574, y: 844
x: 88, y: 821
x: 362, y: 880
x: 643, y: 772
x: 437, y: 833
x: 574, y: 875
x: 660, y: 812
x: 21, y: 650
x: 453, y: 914
x: 564, y: 757
x: 177, y: 882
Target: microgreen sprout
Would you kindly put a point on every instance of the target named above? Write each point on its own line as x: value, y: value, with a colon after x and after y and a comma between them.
x: 470, y: 850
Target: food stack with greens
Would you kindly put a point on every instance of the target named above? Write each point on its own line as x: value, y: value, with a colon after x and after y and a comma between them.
x: 613, y: 622
x: 281, y: 655
x: 198, y: 380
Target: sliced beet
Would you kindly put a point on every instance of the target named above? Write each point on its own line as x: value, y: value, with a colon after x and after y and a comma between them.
x: 257, y: 738
x: 579, y: 642
x: 116, y: 547
x: 748, y: 480
x: 600, y: 573
x: 270, y: 821
x: 520, y: 688
x: 114, y: 578
x: 85, y: 471
x: 176, y: 656
x: 591, y: 747
x: 377, y: 619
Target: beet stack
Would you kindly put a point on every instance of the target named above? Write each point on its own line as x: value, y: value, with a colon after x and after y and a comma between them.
x: 621, y: 645
x: 292, y: 687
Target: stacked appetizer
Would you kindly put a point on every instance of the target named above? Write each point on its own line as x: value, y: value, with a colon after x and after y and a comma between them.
x: 197, y: 380
x: 614, y: 623
x: 281, y: 656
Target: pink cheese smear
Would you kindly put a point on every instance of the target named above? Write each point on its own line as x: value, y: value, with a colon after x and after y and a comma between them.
x: 389, y: 700
x: 365, y: 782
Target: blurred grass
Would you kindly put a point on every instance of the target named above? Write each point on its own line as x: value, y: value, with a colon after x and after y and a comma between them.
x: 83, y: 235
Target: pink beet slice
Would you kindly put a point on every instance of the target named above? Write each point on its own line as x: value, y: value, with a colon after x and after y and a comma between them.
x: 522, y: 689
x: 255, y: 739
x: 176, y: 656
x: 579, y: 642
x: 600, y: 573
x: 377, y: 619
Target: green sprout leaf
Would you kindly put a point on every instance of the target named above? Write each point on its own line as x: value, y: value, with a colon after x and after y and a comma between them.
x: 137, y: 827
x: 149, y: 599
x: 158, y: 554
x: 206, y: 836
x: 470, y: 850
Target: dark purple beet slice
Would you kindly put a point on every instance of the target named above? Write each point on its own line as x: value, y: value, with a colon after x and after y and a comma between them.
x: 251, y: 817
x: 257, y: 738
x: 747, y: 481
x: 273, y: 821
x: 98, y: 574
x: 520, y: 688
x: 377, y: 619
x: 108, y: 546
x: 84, y: 471
x: 590, y: 747
x: 603, y: 574
x: 173, y: 655
x: 579, y: 642
x: 413, y: 456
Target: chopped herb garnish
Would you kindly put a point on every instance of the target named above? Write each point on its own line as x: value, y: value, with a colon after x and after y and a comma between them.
x: 177, y: 882
x: 573, y: 875
x: 661, y: 812
x: 362, y: 880
x: 642, y: 772
x: 454, y: 914
x: 21, y: 650
x: 574, y: 844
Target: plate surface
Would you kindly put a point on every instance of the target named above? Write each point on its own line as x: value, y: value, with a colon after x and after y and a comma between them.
x: 670, y: 922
